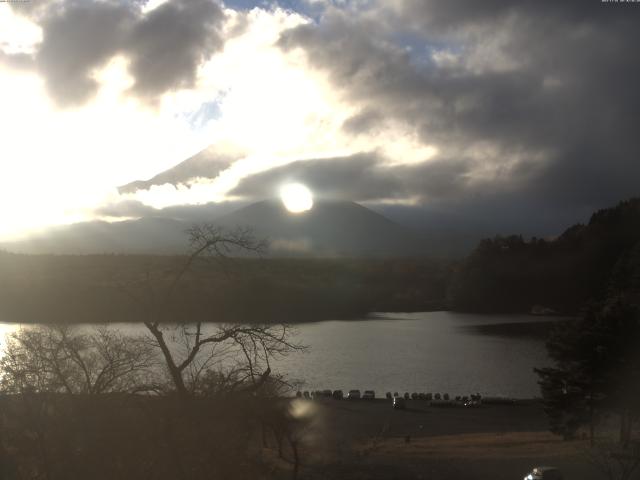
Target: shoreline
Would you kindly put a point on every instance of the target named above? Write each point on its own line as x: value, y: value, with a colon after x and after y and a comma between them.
x: 370, y: 440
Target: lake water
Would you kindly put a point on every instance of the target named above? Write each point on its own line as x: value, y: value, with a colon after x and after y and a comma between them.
x: 414, y: 352
x: 420, y: 352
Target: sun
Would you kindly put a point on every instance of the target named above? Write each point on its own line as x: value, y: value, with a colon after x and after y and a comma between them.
x: 296, y: 197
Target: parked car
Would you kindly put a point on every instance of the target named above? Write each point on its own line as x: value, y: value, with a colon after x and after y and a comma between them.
x: 305, y: 394
x: 299, y: 394
x: 414, y: 396
x: 326, y: 393
x: 369, y: 395
x: 338, y: 395
x: 544, y: 473
x: 353, y: 395
x: 389, y: 396
x: 407, y: 396
x: 399, y: 403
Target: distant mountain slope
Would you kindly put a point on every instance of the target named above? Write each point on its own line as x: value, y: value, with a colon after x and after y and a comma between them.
x: 208, y: 164
x: 330, y: 228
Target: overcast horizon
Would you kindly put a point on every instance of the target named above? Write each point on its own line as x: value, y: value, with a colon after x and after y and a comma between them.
x: 498, y: 116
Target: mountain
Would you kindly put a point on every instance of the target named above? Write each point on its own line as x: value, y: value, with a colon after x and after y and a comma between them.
x: 329, y: 229
x: 207, y: 163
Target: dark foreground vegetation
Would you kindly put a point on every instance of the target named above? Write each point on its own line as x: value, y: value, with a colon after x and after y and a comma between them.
x: 594, y: 382
x: 98, y: 404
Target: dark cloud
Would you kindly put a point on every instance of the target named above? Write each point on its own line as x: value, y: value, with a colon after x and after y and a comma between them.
x: 530, y: 102
x: 367, y: 178
x: 185, y: 213
x: 364, y: 121
x: 126, y: 209
x: 77, y: 38
x: 359, y: 177
x: 165, y: 46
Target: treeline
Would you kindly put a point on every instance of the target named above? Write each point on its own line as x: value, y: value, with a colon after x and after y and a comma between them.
x: 510, y: 274
x: 108, y: 288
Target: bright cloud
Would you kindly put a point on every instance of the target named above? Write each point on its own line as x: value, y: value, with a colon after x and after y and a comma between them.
x: 60, y: 164
x: 446, y: 99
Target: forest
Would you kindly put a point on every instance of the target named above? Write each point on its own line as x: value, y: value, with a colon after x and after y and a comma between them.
x: 562, y: 275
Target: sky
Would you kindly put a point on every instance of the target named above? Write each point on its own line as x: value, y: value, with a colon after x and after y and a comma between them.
x: 516, y: 116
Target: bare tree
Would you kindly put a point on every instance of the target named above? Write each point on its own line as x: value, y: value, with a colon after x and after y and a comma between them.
x: 204, y: 357
x: 52, y: 392
x: 63, y: 359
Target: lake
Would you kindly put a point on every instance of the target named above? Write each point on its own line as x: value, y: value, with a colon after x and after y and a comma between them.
x: 415, y: 352
x: 422, y: 352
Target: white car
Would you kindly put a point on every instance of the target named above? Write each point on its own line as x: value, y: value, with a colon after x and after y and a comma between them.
x: 544, y: 473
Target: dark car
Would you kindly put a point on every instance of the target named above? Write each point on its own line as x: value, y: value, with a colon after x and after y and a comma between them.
x: 544, y: 473
x: 353, y: 395
x: 337, y: 395
x: 399, y: 403
x: 369, y: 395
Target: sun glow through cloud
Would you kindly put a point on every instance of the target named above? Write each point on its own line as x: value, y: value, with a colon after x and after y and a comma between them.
x: 271, y: 109
x: 296, y: 197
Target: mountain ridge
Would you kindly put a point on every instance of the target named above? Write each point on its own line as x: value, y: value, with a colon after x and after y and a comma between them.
x: 330, y: 228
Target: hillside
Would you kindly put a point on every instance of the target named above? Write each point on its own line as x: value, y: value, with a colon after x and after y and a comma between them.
x: 330, y: 229
x: 509, y: 274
